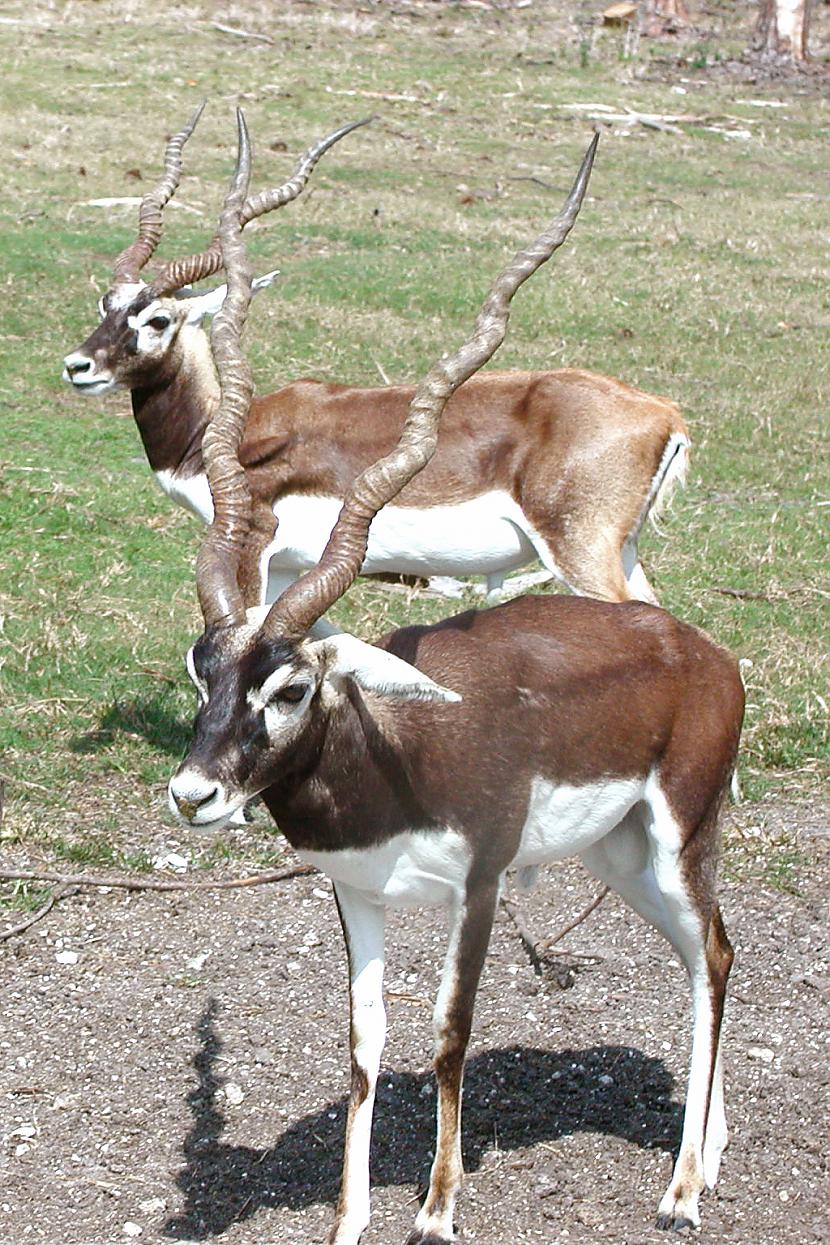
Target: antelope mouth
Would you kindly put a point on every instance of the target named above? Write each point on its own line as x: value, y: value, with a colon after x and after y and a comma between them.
x: 100, y: 384
x: 205, y: 819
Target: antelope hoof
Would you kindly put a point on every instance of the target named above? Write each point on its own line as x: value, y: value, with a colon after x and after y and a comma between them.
x: 430, y: 1238
x: 678, y: 1211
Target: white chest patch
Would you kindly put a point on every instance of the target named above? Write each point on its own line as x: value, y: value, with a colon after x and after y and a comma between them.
x: 192, y: 493
x: 420, y: 867
x: 563, y: 821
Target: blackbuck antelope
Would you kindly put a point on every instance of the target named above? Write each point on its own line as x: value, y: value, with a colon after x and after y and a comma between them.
x: 417, y: 770
x: 563, y: 466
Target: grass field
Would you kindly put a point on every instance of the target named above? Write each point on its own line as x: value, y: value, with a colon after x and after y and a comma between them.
x: 698, y: 269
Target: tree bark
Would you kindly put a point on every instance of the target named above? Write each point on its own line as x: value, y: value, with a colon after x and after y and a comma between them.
x: 663, y: 17
x: 781, y: 30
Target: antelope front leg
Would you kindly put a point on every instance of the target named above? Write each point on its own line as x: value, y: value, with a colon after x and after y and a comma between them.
x: 453, y: 1018
x: 363, y: 930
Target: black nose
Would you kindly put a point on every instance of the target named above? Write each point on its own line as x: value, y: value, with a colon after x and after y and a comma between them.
x: 188, y: 806
x: 79, y: 367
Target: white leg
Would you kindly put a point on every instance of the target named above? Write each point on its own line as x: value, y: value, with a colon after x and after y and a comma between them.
x: 642, y: 863
x: 639, y: 587
x: 635, y: 576
x: 494, y: 583
x: 278, y: 581
x: 363, y: 929
x: 717, y: 1135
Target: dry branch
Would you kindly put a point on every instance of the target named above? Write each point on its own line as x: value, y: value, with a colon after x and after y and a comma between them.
x: 547, y: 943
x: 536, y: 947
x: 30, y: 920
x: 240, y: 34
x: 153, y: 884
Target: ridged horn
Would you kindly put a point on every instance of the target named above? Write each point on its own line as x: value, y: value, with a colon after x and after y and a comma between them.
x: 218, y: 559
x: 133, y: 258
x: 308, y: 598
x: 193, y: 268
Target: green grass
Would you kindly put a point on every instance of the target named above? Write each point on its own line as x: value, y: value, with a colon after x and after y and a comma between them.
x: 697, y: 269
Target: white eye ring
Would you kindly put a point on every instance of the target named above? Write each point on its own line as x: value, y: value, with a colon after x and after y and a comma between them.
x: 199, y: 684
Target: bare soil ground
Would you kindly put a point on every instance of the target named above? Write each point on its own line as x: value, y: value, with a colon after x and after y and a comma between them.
x: 184, y: 1078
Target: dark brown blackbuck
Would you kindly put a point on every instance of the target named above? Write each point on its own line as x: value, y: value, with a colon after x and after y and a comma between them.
x: 563, y: 466
x: 417, y: 770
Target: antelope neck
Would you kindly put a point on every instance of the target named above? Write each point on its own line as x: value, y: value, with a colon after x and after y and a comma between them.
x: 317, y: 811
x: 173, y: 414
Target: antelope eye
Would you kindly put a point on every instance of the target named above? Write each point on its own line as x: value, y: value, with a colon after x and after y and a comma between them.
x: 159, y: 323
x: 292, y: 694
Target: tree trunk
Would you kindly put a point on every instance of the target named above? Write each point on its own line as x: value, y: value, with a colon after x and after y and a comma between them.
x: 781, y: 30
x: 663, y: 17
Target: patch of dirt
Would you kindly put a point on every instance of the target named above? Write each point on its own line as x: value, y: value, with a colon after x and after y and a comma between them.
x: 186, y: 1074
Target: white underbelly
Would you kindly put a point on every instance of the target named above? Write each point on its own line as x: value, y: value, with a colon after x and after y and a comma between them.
x: 479, y: 536
x: 418, y: 867
x: 430, y: 866
x: 563, y: 821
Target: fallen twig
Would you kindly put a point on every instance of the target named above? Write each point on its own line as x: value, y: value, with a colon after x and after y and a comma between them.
x: 668, y: 122
x: 402, y: 996
x: 529, y: 177
x: 61, y: 893
x: 528, y: 941
x: 385, y: 95
x: 743, y: 594
x: 153, y: 884
x: 157, y: 674
x: 536, y: 947
x: 24, y: 782
x: 128, y: 201
x: 241, y: 34
x: 381, y: 372
x: 547, y: 943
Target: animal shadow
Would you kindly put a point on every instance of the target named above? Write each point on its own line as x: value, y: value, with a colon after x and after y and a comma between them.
x: 147, y: 716
x: 513, y: 1097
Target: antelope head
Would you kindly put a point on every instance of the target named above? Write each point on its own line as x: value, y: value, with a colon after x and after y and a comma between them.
x: 134, y: 344
x: 267, y: 689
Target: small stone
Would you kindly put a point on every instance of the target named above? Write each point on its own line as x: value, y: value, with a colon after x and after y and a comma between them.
x: 172, y: 861
x: 132, y: 1229
x: 234, y: 1094
x: 152, y: 1205
x: 67, y: 957
x: 763, y: 1053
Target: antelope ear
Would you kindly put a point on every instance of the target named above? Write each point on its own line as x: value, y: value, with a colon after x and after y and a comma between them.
x: 203, y: 304
x: 375, y: 670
